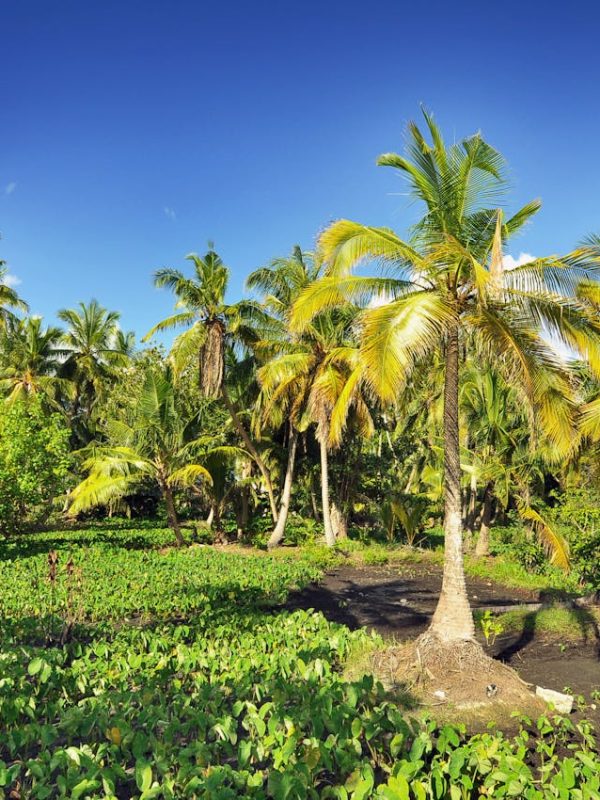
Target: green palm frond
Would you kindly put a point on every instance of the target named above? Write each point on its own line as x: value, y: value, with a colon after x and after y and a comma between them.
x: 553, y: 542
x: 345, y: 244
x: 189, y: 475
x: 99, y: 489
x: 186, y: 347
x: 397, y: 335
x: 332, y: 291
x: 174, y: 321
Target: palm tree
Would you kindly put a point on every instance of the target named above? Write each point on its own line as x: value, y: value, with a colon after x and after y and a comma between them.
x: 10, y: 302
x: 32, y: 359
x: 280, y: 284
x: 449, y: 291
x: 95, y: 347
x: 151, y: 444
x: 210, y: 325
x: 506, y: 457
x: 315, y: 379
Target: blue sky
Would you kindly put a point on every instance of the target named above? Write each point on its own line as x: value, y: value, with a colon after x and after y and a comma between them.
x: 132, y: 132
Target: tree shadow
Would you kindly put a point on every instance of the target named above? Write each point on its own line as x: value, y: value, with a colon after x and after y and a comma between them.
x: 589, y: 633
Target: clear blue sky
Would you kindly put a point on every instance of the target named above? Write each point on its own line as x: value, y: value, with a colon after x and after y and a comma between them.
x: 132, y: 132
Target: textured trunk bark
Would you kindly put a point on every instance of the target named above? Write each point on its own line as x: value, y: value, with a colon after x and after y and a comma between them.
x: 338, y: 522
x: 171, y: 513
x: 220, y: 536
x: 470, y: 516
x: 452, y: 620
x: 252, y: 450
x: 279, y: 530
x: 313, y: 501
x: 329, y: 534
x: 482, y: 548
x: 472, y: 504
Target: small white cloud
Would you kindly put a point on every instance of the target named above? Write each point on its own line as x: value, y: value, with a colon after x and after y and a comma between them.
x: 170, y: 212
x: 10, y: 187
x: 509, y: 262
x: 11, y: 280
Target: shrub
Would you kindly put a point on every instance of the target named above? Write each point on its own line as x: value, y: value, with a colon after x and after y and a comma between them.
x: 34, y: 463
x: 578, y: 516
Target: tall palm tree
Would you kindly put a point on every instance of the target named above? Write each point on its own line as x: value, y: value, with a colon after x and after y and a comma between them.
x: 450, y: 290
x: 314, y: 378
x: 94, y: 347
x: 32, y: 358
x: 210, y: 324
x: 151, y: 444
x: 10, y: 302
x: 280, y: 284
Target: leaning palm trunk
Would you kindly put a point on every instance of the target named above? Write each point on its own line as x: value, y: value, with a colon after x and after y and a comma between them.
x: 252, y: 450
x: 328, y: 528
x: 279, y: 530
x: 483, y: 542
x: 453, y: 619
x: 171, y: 513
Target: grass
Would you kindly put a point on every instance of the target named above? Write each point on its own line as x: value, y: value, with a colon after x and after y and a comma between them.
x: 558, y: 624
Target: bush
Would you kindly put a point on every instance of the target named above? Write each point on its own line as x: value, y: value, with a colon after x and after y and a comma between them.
x: 34, y: 463
x: 577, y: 515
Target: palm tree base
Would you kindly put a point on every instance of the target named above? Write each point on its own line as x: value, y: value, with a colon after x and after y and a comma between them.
x: 455, y: 678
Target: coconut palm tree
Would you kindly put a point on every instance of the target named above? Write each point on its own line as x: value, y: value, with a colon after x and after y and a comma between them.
x: 210, y: 325
x: 151, y: 444
x: 450, y: 290
x: 94, y: 348
x: 314, y: 378
x: 10, y: 302
x: 32, y: 358
x: 503, y: 455
x: 280, y: 284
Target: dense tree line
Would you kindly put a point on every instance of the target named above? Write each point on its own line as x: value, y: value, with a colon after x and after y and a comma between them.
x: 428, y: 388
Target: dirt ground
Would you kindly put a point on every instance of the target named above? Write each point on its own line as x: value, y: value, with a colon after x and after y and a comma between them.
x: 398, y: 600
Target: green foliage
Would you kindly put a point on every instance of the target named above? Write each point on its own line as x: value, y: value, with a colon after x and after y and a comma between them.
x: 34, y: 463
x: 491, y: 626
x: 195, y: 691
x: 578, y: 515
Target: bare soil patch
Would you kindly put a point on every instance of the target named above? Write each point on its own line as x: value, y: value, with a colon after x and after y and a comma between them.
x: 397, y: 601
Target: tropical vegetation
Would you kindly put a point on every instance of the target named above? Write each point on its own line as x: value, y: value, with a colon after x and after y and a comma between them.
x: 379, y: 390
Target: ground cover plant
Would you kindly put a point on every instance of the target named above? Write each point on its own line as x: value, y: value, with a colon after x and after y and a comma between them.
x: 182, y: 677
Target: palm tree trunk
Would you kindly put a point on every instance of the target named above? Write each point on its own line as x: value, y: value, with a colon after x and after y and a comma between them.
x: 452, y: 620
x: 338, y: 522
x: 252, y: 450
x: 220, y: 537
x: 172, y: 514
x: 313, y: 500
x: 329, y: 534
x: 279, y: 530
x: 470, y: 515
x: 210, y: 518
x: 482, y: 547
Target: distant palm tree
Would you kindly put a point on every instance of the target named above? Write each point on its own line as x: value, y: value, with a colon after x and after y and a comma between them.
x: 10, y: 302
x: 94, y: 347
x: 152, y: 444
x: 211, y: 323
x: 450, y: 289
x: 32, y: 358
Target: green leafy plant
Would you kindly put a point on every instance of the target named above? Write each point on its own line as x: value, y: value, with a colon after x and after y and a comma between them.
x: 491, y: 627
